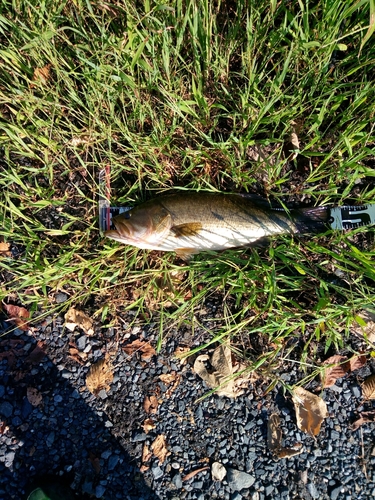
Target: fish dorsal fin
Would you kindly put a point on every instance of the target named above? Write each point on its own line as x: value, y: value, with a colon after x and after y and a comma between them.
x: 187, y: 229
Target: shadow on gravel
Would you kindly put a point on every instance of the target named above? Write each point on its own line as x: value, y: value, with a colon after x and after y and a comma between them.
x: 61, y: 435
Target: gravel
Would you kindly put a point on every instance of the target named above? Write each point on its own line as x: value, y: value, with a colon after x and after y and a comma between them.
x: 96, y: 443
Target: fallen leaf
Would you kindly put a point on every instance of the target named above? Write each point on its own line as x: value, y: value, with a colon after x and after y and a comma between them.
x: 148, y: 425
x: 95, y: 462
x: 150, y: 404
x: 75, y: 317
x: 181, y: 353
x: 194, y: 473
x: 146, y: 453
x: 357, y: 362
x: 5, y: 249
x: 274, y: 438
x: 99, y: 377
x: 3, y: 427
x: 41, y: 74
x: 339, y: 366
x: 143, y: 468
x: 167, y: 378
x: 223, y: 377
x: 18, y: 315
x: 368, y: 388
x: 146, y: 349
x: 364, y: 324
x: 292, y: 146
x: 311, y: 410
x: 159, y: 448
x: 34, y: 396
x: 218, y: 471
x: 37, y: 354
x: 365, y: 417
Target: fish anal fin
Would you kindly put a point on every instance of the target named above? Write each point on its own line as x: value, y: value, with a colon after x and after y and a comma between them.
x: 187, y: 229
x: 186, y: 253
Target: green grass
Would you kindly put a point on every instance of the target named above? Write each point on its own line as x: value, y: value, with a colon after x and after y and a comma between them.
x: 173, y: 95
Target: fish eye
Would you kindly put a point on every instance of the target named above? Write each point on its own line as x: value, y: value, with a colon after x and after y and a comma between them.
x: 127, y: 215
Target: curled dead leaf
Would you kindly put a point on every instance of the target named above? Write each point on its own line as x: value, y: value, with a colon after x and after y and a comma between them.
x: 5, y: 249
x: 34, y: 396
x: 364, y: 324
x: 146, y: 453
x: 338, y: 367
x: 150, y: 404
x: 311, y: 410
x: 368, y: 388
x: 168, y: 378
x: 223, y: 376
x: 148, y: 425
x: 146, y: 349
x: 41, y: 75
x: 18, y: 315
x: 194, y: 473
x: 274, y: 438
x: 75, y: 317
x: 181, y: 353
x: 159, y: 448
x: 99, y: 377
x: 365, y: 417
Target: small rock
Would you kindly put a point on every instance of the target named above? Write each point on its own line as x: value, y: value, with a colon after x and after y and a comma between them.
x: 218, y: 471
x: 139, y: 437
x: 238, y: 480
x: 237, y: 496
x: 311, y: 488
x: 81, y: 343
x: 112, y: 462
x: 61, y: 297
x: 9, y: 457
x: 6, y: 409
x: 157, y: 472
x: 99, y: 491
x: 177, y: 481
x: 335, y: 492
x: 2, y: 391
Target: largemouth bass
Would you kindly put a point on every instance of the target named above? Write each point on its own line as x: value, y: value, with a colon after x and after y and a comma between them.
x: 188, y: 223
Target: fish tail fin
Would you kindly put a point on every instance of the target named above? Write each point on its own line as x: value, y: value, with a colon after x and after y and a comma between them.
x: 312, y: 220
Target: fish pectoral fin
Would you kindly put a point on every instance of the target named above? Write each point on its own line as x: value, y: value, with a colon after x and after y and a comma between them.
x: 186, y: 253
x: 187, y: 229
x: 113, y: 234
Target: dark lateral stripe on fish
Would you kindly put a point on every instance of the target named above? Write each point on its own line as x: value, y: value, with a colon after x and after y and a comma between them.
x: 188, y: 229
x: 311, y: 220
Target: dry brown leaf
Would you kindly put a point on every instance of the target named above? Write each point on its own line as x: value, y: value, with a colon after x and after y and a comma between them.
x: 292, y: 146
x: 148, y: 425
x: 194, y: 473
x: 368, y: 388
x: 159, y: 448
x: 364, y: 325
x: 340, y: 366
x: 34, y: 396
x: 75, y: 317
x: 146, y: 453
x: 41, y: 74
x: 274, y: 438
x: 311, y: 410
x: 99, y: 376
x: 146, y: 349
x: 18, y: 315
x: 150, y: 404
x: 365, y: 417
x: 5, y: 249
x: 37, y: 354
x: 181, y: 354
x: 95, y: 462
x: 223, y: 376
x: 167, y: 378
x: 357, y: 362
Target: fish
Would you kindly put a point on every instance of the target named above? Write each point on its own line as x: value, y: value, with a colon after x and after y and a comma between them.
x: 190, y: 222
